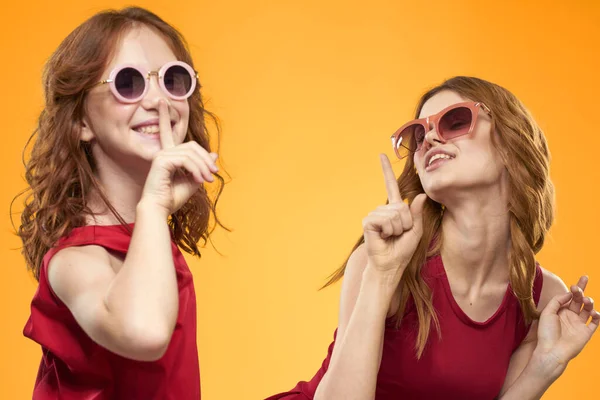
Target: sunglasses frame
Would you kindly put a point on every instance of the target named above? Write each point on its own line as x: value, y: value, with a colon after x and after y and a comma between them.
x: 434, y: 120
x: 160, y: 74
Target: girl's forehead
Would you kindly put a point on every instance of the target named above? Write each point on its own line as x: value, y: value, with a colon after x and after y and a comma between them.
x: 142, y: 47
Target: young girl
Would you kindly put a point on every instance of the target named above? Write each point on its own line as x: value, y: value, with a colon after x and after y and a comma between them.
x: 116, y: 176
x: 441, y: 299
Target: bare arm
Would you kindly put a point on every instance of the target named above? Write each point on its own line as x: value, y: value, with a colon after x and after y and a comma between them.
x: 392, y: 233
x: 133, y: 311
x: 356, y: 357
x: 534, y: 367
x: 552, y: 286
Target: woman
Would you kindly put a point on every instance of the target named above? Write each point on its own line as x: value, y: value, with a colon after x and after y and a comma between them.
x: 442, y: 298
x: 116, y: 175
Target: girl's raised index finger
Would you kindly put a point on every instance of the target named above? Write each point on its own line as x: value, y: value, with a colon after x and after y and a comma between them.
x: 164, y: 125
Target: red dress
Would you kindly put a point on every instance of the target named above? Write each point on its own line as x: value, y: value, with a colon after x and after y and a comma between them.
x: 75, y: 367
x: 470, y: 361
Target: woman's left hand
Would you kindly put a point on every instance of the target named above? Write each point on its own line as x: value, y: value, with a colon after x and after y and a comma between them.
x: 563, y: 329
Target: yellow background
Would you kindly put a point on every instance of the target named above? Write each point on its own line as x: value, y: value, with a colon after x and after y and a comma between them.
x: 309, y: 93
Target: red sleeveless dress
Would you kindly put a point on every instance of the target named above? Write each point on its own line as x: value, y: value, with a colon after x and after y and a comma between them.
x: 75, y: 367
x: 469, y: 362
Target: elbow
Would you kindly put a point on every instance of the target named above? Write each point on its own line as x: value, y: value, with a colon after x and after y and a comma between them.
x: 135, y: 333
x: 326, y: 391
x: 147, y: 343
x: 151, y: 348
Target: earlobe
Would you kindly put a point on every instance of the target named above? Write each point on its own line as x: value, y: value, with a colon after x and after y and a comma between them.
x: 86, y: 134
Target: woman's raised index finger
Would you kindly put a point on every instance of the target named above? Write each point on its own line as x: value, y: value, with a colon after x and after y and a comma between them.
x: 391, y: 185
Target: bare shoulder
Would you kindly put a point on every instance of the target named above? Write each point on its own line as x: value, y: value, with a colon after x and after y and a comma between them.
x: 551, y: 287
x: 74, y: 270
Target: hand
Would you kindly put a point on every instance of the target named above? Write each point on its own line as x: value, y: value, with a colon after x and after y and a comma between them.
x: 177, y: 171
x: 563, y: 328
x: 393, y: 231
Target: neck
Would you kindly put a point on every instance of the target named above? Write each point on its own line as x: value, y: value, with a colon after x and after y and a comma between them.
x: 476, y: 239
x: 123, y: 190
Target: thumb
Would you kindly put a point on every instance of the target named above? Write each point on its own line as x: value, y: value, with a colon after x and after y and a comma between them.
x: 556, y: 303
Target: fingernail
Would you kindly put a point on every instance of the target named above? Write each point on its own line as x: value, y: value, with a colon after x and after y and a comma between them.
x: 214, y: 168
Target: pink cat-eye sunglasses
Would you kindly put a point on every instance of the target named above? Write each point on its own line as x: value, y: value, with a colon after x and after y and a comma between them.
x: 453, y: 121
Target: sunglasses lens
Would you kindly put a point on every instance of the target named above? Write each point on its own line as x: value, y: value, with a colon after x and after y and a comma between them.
x: 130, y: 83
x: 455, y: 122
x: 409, y: 140
x: 178, y: 81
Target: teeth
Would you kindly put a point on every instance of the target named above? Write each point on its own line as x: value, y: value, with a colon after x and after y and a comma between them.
x: 438, y: 156
x: 149, y: 129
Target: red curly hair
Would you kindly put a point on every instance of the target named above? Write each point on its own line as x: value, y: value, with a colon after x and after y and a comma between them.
x: 60, y: 170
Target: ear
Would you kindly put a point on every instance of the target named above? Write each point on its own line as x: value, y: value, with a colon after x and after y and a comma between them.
x: 86, y: 135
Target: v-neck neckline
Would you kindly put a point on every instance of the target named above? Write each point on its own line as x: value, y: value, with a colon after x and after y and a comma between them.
x: 456, y: 307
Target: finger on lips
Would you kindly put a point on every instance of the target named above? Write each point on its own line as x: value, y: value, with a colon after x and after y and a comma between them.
x: 164, y: 125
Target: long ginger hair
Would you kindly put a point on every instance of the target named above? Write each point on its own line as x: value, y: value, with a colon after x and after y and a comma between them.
x: 526, y: 157
x: 60, y: 170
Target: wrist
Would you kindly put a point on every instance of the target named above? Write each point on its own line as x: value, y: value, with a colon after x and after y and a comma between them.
x: 146, y: 208
x: 544, y: 364
x: 384, y: 284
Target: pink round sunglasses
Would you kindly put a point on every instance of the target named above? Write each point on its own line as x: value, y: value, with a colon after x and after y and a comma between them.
x: 129, y: 84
